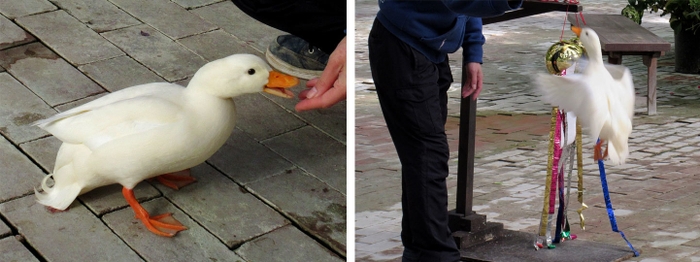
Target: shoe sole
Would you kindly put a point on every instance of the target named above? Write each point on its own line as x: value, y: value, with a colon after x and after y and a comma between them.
x: 286, y: 68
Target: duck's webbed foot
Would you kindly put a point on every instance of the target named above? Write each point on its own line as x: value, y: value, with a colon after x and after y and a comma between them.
x: 162, y: 225
x: 176, y: 180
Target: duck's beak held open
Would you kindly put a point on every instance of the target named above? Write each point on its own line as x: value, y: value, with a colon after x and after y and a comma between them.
x: 277, y: 84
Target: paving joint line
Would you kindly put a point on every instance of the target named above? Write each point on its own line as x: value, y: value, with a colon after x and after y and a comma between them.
x: 279, y: 210
x: 99, y: 217
x: 14, y: 232
x: 17, y: 146
x: 295, y: 223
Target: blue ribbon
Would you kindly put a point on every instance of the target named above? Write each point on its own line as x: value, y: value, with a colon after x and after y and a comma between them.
x: 608, y: 204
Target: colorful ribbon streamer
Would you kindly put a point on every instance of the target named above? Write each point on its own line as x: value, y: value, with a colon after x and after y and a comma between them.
x: 550, y: 164
x: 561, y: 215
x: 579, y: 165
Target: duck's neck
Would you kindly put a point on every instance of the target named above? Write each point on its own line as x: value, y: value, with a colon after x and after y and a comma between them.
x: 595, y: 55
x: 205, y: 84
x: 206, y: 110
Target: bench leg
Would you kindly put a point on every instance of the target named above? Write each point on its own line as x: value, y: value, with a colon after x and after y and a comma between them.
x: 651, y: 62
x: 615, y: 59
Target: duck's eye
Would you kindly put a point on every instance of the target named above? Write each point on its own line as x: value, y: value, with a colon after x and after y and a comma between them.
x: 586, y: 34
x: 251, y: 71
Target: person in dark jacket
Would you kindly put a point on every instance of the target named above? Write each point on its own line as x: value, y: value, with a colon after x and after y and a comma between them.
x: 408, y: 47
x: 314, y: 50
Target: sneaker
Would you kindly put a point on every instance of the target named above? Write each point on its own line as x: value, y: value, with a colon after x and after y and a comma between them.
x: 294, y: 56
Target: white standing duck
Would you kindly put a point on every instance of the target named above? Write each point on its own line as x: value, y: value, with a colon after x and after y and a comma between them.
x: 602, y: 97
x: 150, y: 130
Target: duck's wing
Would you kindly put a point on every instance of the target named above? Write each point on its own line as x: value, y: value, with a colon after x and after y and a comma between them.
x: 623, y: 78
x: 98, y: 123
x: 575, y: 93
x: 124, y: 94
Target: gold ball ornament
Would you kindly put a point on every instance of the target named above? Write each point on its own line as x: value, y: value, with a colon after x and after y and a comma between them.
x: 563, y: 55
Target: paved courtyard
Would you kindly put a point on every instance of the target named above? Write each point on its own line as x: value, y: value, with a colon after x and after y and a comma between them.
x: 656, y: 195
x: 276, y: 191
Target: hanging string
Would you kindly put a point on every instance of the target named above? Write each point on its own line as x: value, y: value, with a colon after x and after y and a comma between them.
x: 564, y: 25
x: 579, y: 165
x: 582, y: 19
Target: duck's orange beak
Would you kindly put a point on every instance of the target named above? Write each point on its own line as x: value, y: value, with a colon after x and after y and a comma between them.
x: 577, y: 30
x: 277, y: 84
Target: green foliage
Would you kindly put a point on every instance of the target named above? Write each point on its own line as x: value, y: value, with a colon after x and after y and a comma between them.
x: 684, y: 13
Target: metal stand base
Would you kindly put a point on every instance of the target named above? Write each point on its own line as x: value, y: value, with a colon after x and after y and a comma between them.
x: 473, y: 229
x: 517, y: 246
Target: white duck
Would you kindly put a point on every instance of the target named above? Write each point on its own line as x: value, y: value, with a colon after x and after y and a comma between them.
x: 153, y: 129
x: 602, y: 97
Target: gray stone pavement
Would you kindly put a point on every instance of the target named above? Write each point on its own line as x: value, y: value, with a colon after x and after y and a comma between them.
x: 276, y: 191
x: 656, y: 194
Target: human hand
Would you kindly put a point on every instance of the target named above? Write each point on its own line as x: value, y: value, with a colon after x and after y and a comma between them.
x: 474, y: 81
x: 329, y: 89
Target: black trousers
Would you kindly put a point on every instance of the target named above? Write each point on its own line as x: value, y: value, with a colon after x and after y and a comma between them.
x: 412, y: 93
x: 319, y: 22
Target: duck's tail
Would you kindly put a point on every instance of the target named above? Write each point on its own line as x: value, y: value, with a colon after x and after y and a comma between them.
x: 618, y: 151
x: 59, y: 196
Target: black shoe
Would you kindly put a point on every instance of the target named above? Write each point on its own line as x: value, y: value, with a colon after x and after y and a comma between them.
x: 294, y: 56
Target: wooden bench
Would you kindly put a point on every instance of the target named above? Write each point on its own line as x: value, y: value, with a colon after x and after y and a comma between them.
x: 621, y: 36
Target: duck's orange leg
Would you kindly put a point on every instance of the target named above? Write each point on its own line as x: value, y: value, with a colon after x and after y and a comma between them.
x: 176, y: 180
x: 162, y: 225
x: 597, y: 151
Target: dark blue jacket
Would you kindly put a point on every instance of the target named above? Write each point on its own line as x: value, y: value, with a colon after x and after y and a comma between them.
x: 436, y: 28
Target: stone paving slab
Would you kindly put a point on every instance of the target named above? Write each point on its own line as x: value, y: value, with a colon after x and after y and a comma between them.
x: 245, y: 160
x: 156, y: 51
x: 12, y: 250
x: 59, y: 31
x: 118, y: 73
x: 316, y: 207
x: 331, y: 120
x: 215, y: 44
x: 269, y: 248
x: 19, y: 107
x: 308, y: 155
x: 12, y: 35
x: 51, y: 78
x: 4, y: 230
x: 14, y: 9
x: 82, y: 235
x: 155, y: 248
x: 254, y: 112
x: 224, y: 208
x: 12, y: 163
x: 228, y: 17
x: 165, y: 16
x: 99, y: 15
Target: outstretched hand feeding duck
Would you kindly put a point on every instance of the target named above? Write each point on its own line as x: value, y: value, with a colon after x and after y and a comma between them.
x: 150, y: 130
x: 602, y: 97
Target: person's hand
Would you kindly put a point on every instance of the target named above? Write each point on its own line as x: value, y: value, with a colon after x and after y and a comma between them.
x: 474, y: 82
x: 329, y: 89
